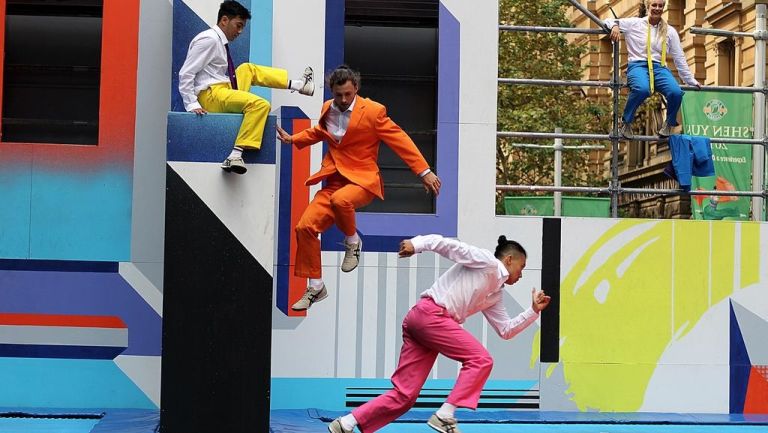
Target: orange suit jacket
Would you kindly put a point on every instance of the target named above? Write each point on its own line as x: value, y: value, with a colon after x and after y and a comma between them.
x: 355, y: 157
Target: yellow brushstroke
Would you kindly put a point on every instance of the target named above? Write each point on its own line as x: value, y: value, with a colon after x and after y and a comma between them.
x: 723, y: 258
x: 691, y: 274
x: 750, y: 253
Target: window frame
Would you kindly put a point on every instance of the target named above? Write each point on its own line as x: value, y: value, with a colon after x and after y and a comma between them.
x: 117, y: 86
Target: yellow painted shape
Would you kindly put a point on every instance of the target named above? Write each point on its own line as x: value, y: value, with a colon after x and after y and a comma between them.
x: 617, y: 323
x: 723, y: 258
x: 750, y: 253
x: 691, y: 274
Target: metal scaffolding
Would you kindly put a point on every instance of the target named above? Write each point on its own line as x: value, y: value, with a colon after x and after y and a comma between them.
x: 759, y: 141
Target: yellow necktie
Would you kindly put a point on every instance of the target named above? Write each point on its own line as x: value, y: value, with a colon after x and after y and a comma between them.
x: 650, y: 58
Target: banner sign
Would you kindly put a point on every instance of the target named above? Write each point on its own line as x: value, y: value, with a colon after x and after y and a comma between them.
x: 721, y: 115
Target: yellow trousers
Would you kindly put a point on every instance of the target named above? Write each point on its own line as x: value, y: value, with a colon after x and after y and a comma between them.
x: 221, y: 98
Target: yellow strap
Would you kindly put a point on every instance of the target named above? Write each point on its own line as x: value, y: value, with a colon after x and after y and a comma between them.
x: 650, y: 58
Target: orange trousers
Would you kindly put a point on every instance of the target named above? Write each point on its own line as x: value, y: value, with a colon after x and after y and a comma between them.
x: 335, y: 203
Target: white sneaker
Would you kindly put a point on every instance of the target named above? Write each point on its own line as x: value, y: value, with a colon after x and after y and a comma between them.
x: 336, y: 427
x: 351, y: 256
x: 443, y: 425
x: 236, y: 165
x: 310, y: 297
x: 309, y: 82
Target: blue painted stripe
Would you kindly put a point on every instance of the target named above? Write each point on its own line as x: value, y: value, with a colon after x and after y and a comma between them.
x: 284, y: 229
x: 58, y: 266
x: 261, y: 40
x: 59, y: 351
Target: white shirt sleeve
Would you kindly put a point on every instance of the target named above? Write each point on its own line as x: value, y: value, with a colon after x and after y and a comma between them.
x: 200, y: 53
x: 454, y: 250
x: 676, y: 51
x: 505, y: 326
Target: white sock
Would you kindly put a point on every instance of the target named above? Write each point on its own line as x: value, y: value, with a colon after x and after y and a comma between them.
x: 294, y: 84
x: 447, y: 410
x: 355, y: 238
x: 348, y: 422
x: 316, y: 283
x: 236, y: 153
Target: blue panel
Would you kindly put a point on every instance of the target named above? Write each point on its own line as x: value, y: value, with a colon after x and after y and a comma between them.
x: 66, y: 383
x: 740, y: 366
x: 15, y: 192
x: 210, y: 138
x: 81, y: 216
x: 84, y: 293
x: 261, y: 40
x: 186, y: 25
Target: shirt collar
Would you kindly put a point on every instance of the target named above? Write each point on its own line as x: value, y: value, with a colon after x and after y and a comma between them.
x: 351, y: 106
x: 220, y: 34
x: 503, y: 273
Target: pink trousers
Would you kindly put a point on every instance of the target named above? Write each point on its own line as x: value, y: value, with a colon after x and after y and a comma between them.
x: 427, y: 331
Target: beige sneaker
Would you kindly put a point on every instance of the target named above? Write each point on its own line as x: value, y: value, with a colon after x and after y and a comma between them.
x: 665, y: 130
x: 443, y: 425
x: 235, y: 165
x: 351, y: 256
x: 310, y: 297
x: 336, y: 427
x: 309, y: 82
x: 625, y: 130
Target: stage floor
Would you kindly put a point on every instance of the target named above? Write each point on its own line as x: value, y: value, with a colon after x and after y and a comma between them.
x: 315, y: 421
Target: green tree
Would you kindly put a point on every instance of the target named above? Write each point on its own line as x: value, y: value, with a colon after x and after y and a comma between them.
x: 540, y: 108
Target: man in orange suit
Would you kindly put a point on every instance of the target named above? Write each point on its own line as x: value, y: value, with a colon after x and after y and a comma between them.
x: 353, y: 127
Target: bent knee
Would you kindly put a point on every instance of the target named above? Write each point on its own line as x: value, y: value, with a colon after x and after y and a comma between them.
x: 258, y: 105
x: 341, y: 202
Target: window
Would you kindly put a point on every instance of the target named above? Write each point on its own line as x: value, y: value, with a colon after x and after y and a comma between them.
x: 394, y: 46
x: 52, y: 71
x: 726, y: 63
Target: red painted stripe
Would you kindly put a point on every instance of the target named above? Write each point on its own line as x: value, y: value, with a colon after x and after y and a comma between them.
x: 22, y: 319
x: 299, y: 202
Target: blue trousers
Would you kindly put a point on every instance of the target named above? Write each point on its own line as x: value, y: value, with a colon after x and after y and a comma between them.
x: 640, y: 89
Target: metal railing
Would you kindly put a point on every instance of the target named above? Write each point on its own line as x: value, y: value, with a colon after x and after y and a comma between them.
x: 759, y: 142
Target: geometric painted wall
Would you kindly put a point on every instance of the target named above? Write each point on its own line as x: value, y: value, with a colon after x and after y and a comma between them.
x: 80, y: 323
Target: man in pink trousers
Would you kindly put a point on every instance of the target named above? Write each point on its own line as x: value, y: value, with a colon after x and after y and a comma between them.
x: 433, y: 326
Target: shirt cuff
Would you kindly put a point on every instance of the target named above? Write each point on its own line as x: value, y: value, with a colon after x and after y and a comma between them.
x: 529, y: 313
x: 418, y: 244
x: 425, y: 172
x: 193, y: 105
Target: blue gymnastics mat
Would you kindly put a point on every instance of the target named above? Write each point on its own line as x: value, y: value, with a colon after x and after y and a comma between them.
x: 315, y: 421
x: 47, y: 420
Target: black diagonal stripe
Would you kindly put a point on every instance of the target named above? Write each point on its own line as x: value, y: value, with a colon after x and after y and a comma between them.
x: 550, y: 283
x: 217, y: 323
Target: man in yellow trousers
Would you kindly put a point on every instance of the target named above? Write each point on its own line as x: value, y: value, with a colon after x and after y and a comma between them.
x: 208, y: 81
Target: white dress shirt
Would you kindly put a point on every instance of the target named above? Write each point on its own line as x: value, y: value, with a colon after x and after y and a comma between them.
x: 475, y: 283
x: 636, y: 37
x: 337, y: 122
x: 206, y: 64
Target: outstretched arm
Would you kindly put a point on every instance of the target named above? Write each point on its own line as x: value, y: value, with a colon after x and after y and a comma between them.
x: 508, y: 327
x: 451, y: 249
